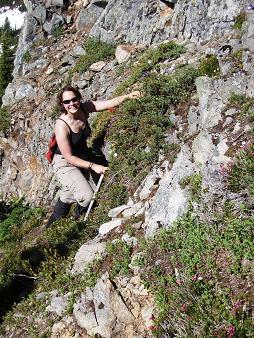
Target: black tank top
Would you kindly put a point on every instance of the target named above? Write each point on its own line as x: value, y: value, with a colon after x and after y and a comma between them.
x: 78, y: 141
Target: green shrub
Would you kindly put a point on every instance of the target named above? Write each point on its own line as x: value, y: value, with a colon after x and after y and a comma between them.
x: 194, y: 182
x: 120, y: 256
x: 239, y: 20
x: 96, y: 50
x: 5, y: 119
x: 54, y: 113
x: 241, y: 174
x: 17, y: 220
x: 209, y: 66
x: 143, y: 122
x: 59, y: 31
x: 244, y: 104
x: 237, y: 58
x: 169, y: 50
x: 192, y: 269
x: 18, y: 214
x: 26, y: 56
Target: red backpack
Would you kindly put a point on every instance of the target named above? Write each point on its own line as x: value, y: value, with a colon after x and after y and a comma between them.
x: 51, y: 148
x: 53, y: 145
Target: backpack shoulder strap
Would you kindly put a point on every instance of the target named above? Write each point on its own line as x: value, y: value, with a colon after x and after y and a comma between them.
x: 59, y: 118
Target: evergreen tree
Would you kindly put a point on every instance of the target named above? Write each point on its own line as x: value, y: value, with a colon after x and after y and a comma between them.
x: 8, y: 42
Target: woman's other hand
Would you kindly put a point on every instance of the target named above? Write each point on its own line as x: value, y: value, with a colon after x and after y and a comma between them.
x: 99, y: 169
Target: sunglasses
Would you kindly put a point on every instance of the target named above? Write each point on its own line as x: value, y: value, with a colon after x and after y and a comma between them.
x: 74, y: 99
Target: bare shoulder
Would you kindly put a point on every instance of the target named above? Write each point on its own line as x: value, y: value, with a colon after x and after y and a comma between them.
x: 62, y: 124
x: 88, y: 107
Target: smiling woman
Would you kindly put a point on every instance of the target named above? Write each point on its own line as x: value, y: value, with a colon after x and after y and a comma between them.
x: 71, y: 163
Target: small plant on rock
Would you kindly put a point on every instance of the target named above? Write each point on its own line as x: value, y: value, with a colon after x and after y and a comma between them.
x: 5, y: 119
x: 96, y: 50
x: 27, y: 56
x: 209, y: 66
x: 239, y: 21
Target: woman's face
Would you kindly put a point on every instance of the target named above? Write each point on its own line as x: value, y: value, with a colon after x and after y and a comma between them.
x: 71, y: 102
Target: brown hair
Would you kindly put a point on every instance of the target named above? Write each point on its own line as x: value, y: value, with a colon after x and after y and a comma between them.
x: 60, y: 96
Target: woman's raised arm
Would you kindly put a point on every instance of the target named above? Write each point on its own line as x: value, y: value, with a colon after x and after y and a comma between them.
x: 92, y: 106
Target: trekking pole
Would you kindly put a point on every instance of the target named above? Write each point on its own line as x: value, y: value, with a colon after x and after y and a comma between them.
x: 94, y: 197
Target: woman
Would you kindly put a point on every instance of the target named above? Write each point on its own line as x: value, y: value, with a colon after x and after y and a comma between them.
x: 70, y: 163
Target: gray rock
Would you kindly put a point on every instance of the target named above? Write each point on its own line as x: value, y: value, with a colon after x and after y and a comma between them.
x: 123, y: 53
x: 248, y: 36
x: 213, y: 97
x: 87, y: 17
x: 97, y: 66
x: 116, y: 211
x: 130, y: 240
x: 202, y: 20
x: 86, y: 254
x: 230, y: 112
x: 144, y: 191
x: 80, y: 84
x: 67, y: 60
x: 133, y: 210
x: 29, y: 5
x: 39, y: 13
x: 55, y: 22
x: 202, y: 147
x: 107, y: 227
x: 42, y: 63
x: 193, y: 120
x: 210, y: 103
x: 148, y: 315
x: 248, y: 61
x: 26, y: 38
x: 78, y: 51
x: 51, y: 3
x: 58, y: 305
x: 8, y: 97
x: 226, y: 66
x: 25, y: 91
x: 132, y: 21
x: 170, y: 201
x: 101, y: 310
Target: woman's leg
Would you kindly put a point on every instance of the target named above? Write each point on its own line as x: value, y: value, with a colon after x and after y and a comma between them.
x: 61, y: 210
x: 74, y: 185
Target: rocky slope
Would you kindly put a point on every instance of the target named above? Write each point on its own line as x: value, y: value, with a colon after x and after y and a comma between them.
x: 31, y: 94
x: 206, y: 131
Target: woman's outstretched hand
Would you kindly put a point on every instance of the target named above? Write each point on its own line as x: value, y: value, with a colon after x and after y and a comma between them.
x: 134, y: 95
x: 99, y: 169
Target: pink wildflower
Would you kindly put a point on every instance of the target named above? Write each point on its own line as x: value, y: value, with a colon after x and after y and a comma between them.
x: 195, y: 277
x: 226, y: 168
x: 152, y: 328
x: 236, y: 307
x: 231, y: 331
x: 184, y: 308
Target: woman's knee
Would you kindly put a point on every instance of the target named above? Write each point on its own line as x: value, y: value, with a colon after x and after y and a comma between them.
x: 84, y: 198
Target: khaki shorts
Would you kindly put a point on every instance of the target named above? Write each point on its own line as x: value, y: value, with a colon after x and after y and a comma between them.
x: 73, y: 182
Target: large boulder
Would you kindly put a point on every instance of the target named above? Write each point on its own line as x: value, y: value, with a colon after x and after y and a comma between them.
x: 132, y: 21
x: 202, y: 20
